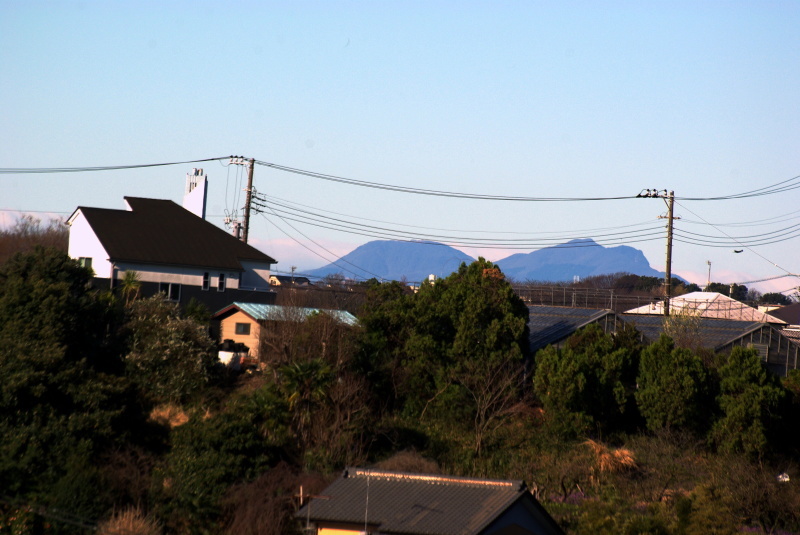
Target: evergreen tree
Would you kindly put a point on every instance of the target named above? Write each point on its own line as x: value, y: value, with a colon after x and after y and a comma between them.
x: 672, y: 387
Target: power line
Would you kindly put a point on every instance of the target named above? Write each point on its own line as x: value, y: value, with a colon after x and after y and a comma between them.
x: 344, y: 225
x: 789, y: 273
x: 54, y: 170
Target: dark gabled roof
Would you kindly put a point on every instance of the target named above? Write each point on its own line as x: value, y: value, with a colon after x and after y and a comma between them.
x: 549, y: 325
x: 160, y: 232
x: 395, y: 502
x: 789, y: 313
x: 713, y: 333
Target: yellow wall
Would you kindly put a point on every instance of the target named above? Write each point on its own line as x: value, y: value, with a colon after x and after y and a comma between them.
x: 227, y: 328
x: 338, y: 531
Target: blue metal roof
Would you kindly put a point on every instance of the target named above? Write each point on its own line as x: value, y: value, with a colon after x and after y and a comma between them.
x: 263, y: 312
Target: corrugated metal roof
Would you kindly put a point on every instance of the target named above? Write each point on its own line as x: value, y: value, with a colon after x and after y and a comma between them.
x: 261, y: 312
x: 708, y: 305
x: 157, y: 231
x: 548, y: 325
x: 426, y: 504
x: 713, y: 333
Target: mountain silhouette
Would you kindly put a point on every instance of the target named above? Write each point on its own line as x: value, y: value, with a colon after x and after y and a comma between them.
x: 414, y: 261
x: 582, y: 258
x: 396, y: 260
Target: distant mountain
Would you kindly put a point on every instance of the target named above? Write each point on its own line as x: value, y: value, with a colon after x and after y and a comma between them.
x: 414, y: 261
x: 394, y: 260
x: 583, y: 258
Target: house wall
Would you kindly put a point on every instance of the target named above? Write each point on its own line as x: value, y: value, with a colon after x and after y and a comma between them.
x: 255, y: 276
x: 227, y: 331
x: 190, y: 276
x: 83, y: 243
x: 344, y: 528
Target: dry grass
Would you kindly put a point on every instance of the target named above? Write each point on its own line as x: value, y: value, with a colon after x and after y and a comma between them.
x: 611, y: 461
x: 130, y: 521
x: 169, y: 415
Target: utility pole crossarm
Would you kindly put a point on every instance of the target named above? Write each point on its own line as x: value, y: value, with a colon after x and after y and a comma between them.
x: 669, y: 198
x: 249, y: 163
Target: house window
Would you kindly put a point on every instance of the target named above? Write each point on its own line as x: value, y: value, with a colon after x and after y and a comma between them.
x: 171, y: 290
x: 221, y: 285
x: 206, y: 281
x: 243, y: 328
x: 85, y: 262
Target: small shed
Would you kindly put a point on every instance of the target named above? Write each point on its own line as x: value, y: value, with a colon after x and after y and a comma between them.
x: 242, y: 323
x: 363, y: 501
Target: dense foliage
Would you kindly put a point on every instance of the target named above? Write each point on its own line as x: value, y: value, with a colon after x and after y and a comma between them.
x: 115, y: 414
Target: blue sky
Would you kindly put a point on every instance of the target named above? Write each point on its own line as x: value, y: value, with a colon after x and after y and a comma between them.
x: 531, y: 99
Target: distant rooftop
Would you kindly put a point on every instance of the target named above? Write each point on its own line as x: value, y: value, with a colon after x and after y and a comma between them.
x: 418, y: 503
x: 708, y: 305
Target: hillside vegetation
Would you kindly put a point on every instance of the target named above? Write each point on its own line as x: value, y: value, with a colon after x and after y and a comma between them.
x: 116, y: 416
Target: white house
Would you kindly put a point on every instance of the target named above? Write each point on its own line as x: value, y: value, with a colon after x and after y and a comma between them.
x: 172, y: 249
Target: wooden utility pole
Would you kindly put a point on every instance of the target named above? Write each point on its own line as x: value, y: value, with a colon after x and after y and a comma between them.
x: 669, y: 198
x: 245, y: 227
x: 668, y: 276
x: 250, y: 164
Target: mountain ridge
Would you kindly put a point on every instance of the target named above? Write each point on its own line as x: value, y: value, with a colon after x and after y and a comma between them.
x: 415, y: 260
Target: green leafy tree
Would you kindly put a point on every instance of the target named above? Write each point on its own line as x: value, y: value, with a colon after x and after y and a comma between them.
x: 739, y: 290
x: 672, y: 387
x: 430, y: 353
x: 589, y: 383
x: 774, y: 298
x: 63, y: 400
x: 749, y: 400
x: 171, y: 359
x: 211, y: 455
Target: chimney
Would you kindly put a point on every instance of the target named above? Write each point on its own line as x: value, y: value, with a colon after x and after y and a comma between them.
x: 194, y: 198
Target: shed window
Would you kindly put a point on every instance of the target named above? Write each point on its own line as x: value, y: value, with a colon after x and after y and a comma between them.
x: 221, y: 284
x: 243, y: 328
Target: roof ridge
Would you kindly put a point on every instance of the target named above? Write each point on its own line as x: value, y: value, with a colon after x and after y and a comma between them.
x: 433, y: 478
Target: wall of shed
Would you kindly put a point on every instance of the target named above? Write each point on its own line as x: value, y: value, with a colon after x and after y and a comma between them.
x: 227, y: 330
x: 525, y: 514
x: 780, y: 355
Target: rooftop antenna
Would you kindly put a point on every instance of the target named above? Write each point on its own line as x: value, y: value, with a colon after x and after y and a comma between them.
x: 708, y: 283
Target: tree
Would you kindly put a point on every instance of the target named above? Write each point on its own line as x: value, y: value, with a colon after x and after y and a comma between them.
x: 432, y: 351
x: 672, y: 387
x: 130, y: 286
x: 739, y: 291
x: 28, y: 232
x: 210, y: 455
x: 749, y: 398
x: 170, y: 359
x: 588, y: 383
x: 774, y: 298
x: 63, y: 400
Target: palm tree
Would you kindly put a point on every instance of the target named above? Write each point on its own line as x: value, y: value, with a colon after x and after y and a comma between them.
x: 130, y: 286
x: 306, y: 387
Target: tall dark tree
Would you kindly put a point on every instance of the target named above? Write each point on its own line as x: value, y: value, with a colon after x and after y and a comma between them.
x: 62, y: 399
x: 588, y: 384
x: 672, y: 388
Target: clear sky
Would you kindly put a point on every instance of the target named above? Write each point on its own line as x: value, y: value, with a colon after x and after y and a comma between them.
x: 525, y: 99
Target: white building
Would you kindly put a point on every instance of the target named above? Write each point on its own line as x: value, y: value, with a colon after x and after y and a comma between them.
x: 172, y: 250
